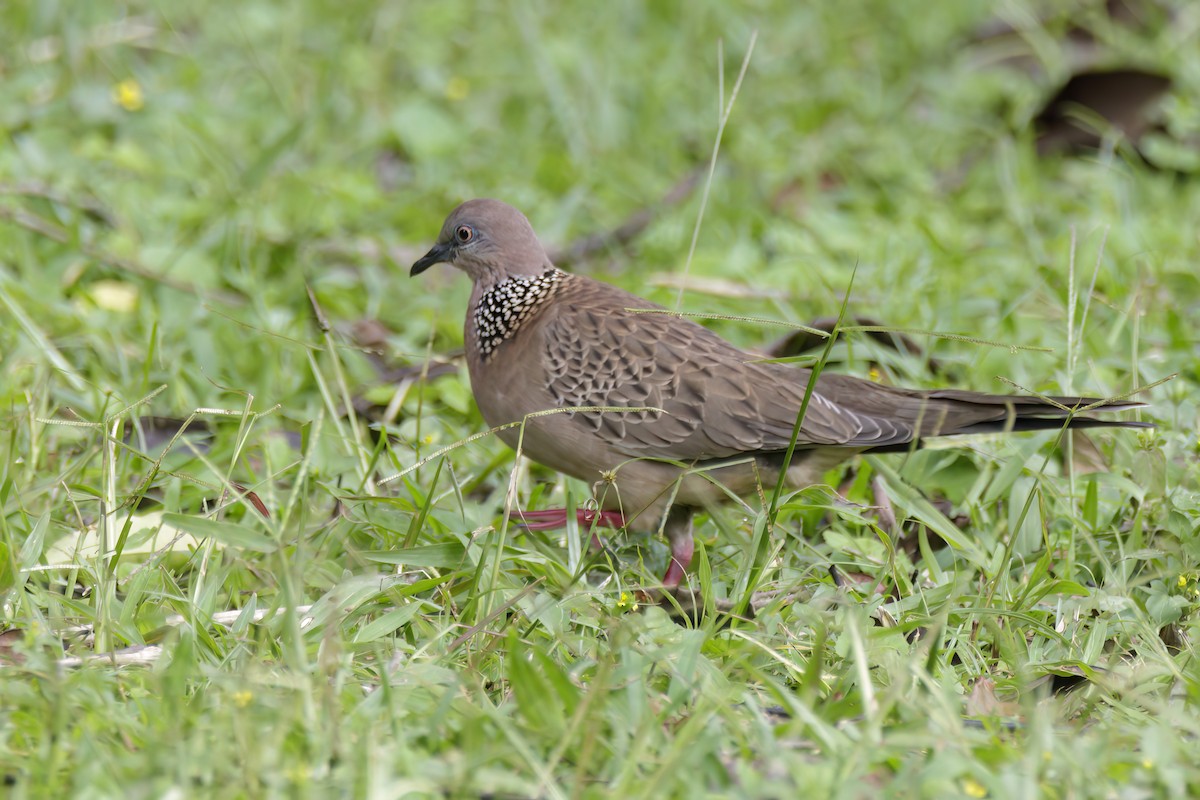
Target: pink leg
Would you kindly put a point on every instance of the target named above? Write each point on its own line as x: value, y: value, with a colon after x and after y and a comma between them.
x: 550, y: 518
x: 681, y: 559
x: 678, y: 530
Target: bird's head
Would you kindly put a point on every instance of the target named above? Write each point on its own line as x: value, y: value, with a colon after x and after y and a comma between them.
x: 489, y: 240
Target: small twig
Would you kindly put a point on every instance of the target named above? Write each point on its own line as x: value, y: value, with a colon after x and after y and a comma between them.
x: 149, y: 653
x: 128, y: 656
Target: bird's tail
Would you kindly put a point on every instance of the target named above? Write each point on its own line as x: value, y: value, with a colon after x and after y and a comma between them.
x: 952, y: 412
x: 1008, y: 412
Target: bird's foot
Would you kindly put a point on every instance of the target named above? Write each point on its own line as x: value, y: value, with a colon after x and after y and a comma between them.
x: 550, y: 518
x: 682, y: 549
x: 547, y: 519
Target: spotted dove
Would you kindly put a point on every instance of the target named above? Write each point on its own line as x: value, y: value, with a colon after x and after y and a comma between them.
x: 711, y: 418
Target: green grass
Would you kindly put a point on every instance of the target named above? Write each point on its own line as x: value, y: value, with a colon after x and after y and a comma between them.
x: 392, y: 638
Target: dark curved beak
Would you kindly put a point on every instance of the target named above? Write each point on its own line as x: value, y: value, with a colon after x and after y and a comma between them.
x: 438, y: 254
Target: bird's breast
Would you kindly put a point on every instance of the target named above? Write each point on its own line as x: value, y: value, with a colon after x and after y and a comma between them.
x: 511, y: 384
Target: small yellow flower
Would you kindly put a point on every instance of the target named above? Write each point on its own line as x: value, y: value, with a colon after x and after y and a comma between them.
x: 874, y: 374
x: 626, y: 603
x: 1147, y: 763
x: 128, y: 95
x: 973, y: 788
x: 457, y: 89
x: 1182, y: 582
x: 242, y: 698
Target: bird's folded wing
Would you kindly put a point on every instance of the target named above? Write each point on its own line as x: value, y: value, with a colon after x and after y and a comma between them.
x: 715, y: 401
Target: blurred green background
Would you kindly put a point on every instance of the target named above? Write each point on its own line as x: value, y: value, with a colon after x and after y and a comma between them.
x: 176, y: 178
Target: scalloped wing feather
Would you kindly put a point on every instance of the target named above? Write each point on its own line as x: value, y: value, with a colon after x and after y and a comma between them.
x: 717, y: 402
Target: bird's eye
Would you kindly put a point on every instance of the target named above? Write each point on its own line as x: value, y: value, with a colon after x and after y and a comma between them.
x: 464, y: 233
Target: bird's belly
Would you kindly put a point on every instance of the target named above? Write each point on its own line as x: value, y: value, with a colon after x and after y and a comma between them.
x: 753, y: 477
x: 641, y: 488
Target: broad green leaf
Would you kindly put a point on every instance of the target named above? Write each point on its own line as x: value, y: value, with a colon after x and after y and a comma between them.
x: 446, y: 554
x: 222, y: 532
